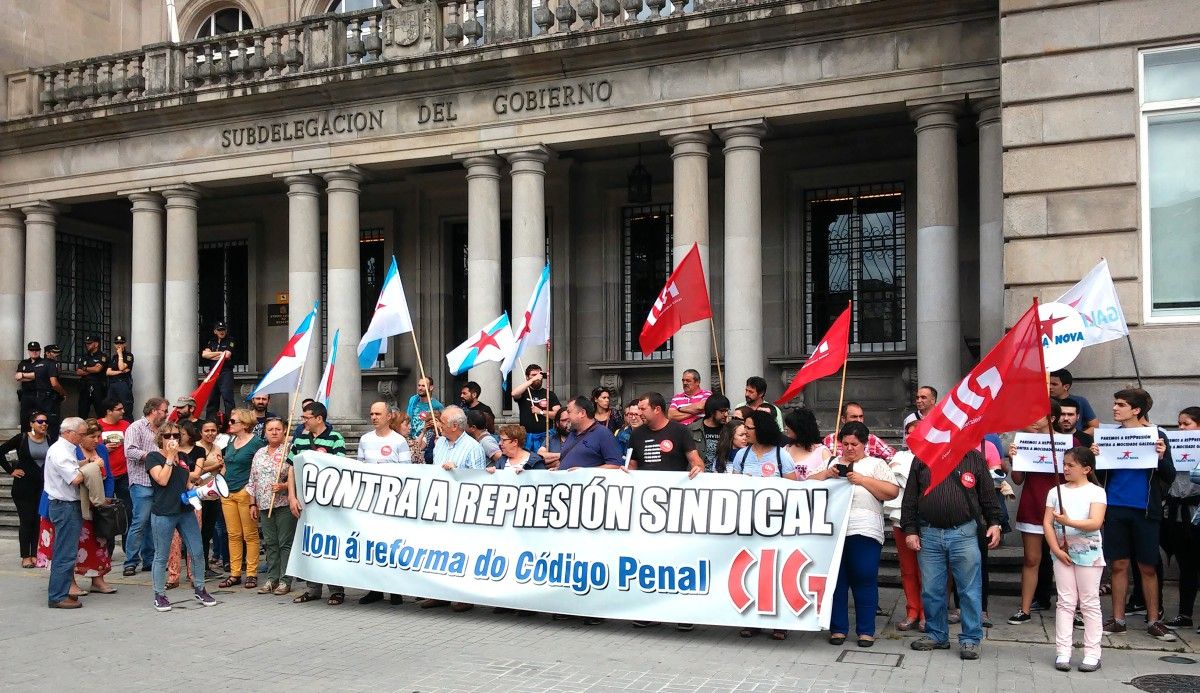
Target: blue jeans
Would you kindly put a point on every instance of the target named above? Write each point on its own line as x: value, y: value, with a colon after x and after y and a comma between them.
x: 859, y: 573
x: 163, y: 530
x: 68, y: 521
x: 954, y: 550
x: 139, y: 544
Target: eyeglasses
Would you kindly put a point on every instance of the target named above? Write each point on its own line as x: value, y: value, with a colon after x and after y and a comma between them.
x: 749, y: 428
x: 505, y: 440
x: 170, y: 436
x: 43, y: 422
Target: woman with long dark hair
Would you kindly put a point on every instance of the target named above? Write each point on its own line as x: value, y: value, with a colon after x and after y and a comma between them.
x: 608, y: 415
x: 26, y: 468
x: 805, y: 448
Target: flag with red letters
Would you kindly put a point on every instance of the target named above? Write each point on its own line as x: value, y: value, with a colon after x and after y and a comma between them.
x: 826, y: 359
x: 683, y: 300
x: 1005, y: 392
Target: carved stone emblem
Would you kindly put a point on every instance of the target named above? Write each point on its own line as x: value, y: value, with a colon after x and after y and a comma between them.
x: 406, y: 25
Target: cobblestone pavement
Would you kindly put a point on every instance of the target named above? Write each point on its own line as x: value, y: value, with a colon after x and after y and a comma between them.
x: 252, y: 642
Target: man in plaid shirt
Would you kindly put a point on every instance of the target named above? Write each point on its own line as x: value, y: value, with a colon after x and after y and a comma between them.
x: 853, y: 411
x: 139, y: 442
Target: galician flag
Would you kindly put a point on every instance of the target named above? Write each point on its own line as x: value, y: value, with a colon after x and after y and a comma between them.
x: 492, y: 343
x: 534, y: 326
x: 391, y: 318
x: 326, y: 384
x: 1095, y: 297
x: 284, y: 375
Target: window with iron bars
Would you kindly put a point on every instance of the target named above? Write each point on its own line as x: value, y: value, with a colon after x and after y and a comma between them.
x: 646, y: 239
x: 224, y: 297
x: 855, y: 252
x: 83, y: 268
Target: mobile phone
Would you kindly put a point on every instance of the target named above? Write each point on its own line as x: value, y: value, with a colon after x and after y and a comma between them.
x: 842, y: 469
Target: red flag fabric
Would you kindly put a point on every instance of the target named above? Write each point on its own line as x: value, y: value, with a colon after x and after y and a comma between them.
x: 203, y: 390
x: 1005, y: 392
x: 683, y: 300
x: 826, y: 359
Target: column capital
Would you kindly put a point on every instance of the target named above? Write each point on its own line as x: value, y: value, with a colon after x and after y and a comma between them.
x: 301, y: 183
x: 345, y: 179
x: 42, y: 211
x: 528, y: 159
x: 940, y: 114
x: 484, y: 164
x: 988, y: 108
x: 183, y: 195
x: 12, y: 218
x: 751, y: 127
x: 146, y: 201
x: 688, y: 142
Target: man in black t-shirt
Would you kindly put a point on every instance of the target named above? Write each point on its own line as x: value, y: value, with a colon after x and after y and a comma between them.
x: 662, y: 445
x: 468, y: 397
x: 120, y: 376
x: 535, y: 403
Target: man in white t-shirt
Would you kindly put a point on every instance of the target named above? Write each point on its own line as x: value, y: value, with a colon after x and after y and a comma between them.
x: 925, y: 399
x: 383, y: 445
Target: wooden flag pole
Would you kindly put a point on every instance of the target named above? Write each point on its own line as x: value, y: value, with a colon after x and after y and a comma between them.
x: 717, y: 355
x: 1133, y: 356
x: 546, y: 384
x: 428, y: 392
x: 287, y: 432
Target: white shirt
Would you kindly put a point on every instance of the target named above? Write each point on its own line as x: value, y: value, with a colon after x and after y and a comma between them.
x: 866, y: 511
x: 60, y: 470
x: 389, y: 449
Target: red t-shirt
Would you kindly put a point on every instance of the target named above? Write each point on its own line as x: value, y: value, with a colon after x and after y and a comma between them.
x: 115, y: 433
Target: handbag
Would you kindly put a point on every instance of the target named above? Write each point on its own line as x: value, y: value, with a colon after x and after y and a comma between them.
x: 109, y: 520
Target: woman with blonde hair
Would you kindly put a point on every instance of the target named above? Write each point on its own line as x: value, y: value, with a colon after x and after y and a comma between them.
x: 239, y: 523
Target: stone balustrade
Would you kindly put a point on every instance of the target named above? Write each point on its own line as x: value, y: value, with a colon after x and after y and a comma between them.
x: 321, y: 43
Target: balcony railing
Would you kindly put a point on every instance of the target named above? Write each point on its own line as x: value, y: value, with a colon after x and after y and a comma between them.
x: 323, y: 43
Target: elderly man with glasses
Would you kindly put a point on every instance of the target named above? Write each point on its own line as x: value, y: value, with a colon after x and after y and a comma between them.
x: 62, y: 479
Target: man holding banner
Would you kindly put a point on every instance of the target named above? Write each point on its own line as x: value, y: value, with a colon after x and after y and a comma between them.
x: 321, y: 437
x: 1134, y: 490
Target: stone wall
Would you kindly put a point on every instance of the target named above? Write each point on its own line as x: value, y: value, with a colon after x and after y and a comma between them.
x: 1069, y: 76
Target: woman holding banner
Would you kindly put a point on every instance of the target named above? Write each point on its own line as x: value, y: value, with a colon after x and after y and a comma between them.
x: 1180, y: 537
x: 515, y: 456
x: 874, y: 484
x: 733, y: 438
x: 805, y: 447
x: 268, y: 487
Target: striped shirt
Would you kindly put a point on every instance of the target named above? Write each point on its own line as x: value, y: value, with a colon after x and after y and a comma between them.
x: 139, y: 442
x: 329, y: 441
x: 464, y: 453
x: 682, y: 399
x: 875, y: 447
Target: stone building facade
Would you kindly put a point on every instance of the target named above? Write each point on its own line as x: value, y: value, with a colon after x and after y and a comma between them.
x: 936, y: 163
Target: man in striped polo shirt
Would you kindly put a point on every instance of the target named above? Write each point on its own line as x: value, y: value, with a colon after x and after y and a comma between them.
x: 319, y: 436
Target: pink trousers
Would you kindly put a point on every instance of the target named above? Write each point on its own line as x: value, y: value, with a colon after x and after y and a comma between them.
x: 1077, y: 586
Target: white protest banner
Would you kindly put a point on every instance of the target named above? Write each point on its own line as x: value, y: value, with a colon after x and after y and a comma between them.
x: 1034, y: 455
x: 1185, y: 449
x: 1127, y: 448
x: 719, y: 549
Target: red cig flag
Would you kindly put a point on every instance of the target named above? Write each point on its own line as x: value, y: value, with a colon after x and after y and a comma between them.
x: 826, y: 359
x: 683, y: 300
x: 1005, y: 392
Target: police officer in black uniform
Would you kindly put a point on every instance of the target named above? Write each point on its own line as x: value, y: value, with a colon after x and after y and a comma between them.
x: 93, y: 382
x: 25, y: 374
x: 220, y: 344
x: 48, y: 393
x: 119, y: 370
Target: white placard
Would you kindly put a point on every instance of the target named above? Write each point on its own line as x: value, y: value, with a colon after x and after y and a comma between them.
x: 1185, y: 449
x: 1033, y: 451
x: 1127, y: 448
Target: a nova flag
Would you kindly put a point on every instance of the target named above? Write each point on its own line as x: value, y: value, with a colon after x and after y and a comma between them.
x: 493, y: 343
x: 326, y: 384
x: 534, y: 326
x: 391, y: 318
x: 1095, y: 297
x: 283, y: 375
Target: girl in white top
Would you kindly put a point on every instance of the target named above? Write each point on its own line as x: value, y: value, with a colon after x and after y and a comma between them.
x: 1073, y: 533
x: 874, y: 483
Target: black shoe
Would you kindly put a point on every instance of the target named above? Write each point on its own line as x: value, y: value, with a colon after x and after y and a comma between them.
x: 209, y: 574
x: 1038, y: 605
x: 644, y: 624
x: 592, y: 621
x: 371, y: 598
x: 1079, y: 622
x: 397, y: 599
x: 1133, y: 608
x: 684, y: 627
x: 1019, y: 618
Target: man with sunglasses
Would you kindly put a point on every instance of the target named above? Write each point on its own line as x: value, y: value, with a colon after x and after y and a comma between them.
x: 220, y: 345
x: 140, y: 442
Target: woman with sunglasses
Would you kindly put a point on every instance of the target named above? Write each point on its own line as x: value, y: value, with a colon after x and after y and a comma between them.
x: 192, y: 453
x: 26, y: 470
x: 633, y: 419
x: 242, y: 528
x: 169, y: 480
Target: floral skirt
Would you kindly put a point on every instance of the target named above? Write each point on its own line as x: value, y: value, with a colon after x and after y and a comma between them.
x: 93, y: 559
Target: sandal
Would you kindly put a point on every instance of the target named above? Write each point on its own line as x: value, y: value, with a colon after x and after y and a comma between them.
x: 778, y: 634
x: 865, y: 641
x: 172, y: 585
x: 1106, y: 589
x: 129, y: 572
x: 251, y: 582
x: 748, y: 632
x: 837, y: 639
x: 27, y: 562
x: 230, y: 582
x: 336, y: 599
x: 304, y: 597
